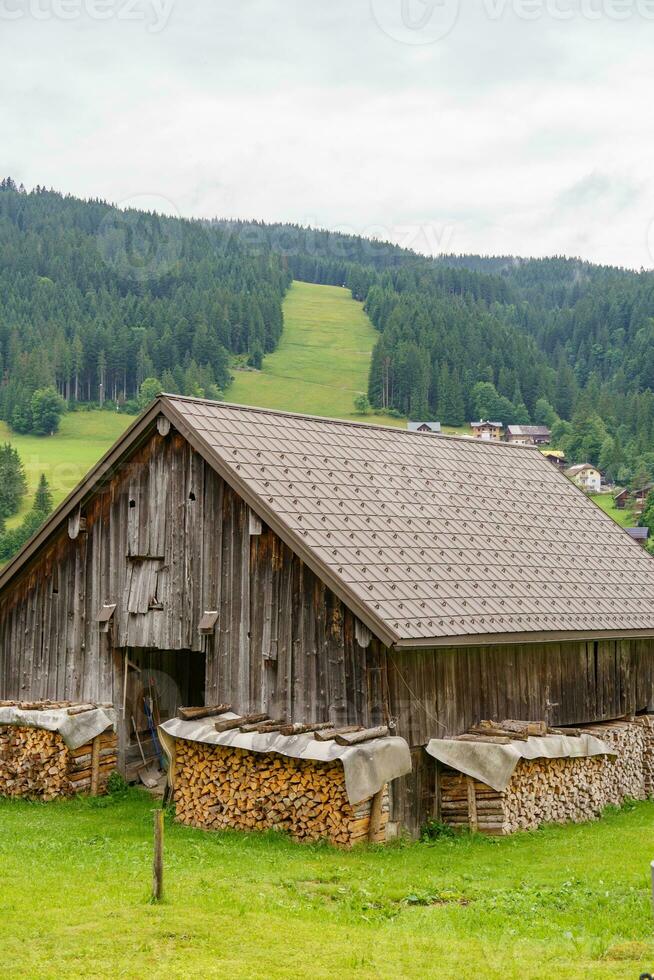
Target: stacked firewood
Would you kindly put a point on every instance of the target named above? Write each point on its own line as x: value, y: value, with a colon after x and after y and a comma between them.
x: 37, y: 764
x: 555, y: 790
x: 647, y: 724
x: 219, y: 787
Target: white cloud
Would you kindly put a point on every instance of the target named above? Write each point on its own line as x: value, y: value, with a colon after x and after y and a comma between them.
x: 507, y: 135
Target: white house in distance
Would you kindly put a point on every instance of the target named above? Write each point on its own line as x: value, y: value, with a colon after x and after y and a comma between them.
x: 433, y: 427
x: 585, y: 476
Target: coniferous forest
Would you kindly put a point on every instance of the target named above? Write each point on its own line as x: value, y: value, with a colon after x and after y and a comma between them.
x: 95, y: 301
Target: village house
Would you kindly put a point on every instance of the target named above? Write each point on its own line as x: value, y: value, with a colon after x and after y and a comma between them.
x: 633, y: 499
x: 487, y: 430
x: 622, y: 499
x: 529, y: 435
x: 433, y: 427
x: 586, y: 477
x: 328, y: 571
x: 556, y: 457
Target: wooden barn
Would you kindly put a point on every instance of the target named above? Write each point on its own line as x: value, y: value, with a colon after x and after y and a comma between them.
x: 330, y: 571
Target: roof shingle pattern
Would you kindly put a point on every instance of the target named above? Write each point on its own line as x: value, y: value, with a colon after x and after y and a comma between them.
x: 437, y: 537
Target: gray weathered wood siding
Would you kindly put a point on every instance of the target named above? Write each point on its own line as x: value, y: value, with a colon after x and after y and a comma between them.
x: 166, y: 540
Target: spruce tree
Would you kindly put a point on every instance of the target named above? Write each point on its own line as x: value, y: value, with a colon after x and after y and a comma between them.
x: 43, y: 497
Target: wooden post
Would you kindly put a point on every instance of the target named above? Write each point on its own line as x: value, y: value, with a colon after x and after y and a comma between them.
x: 157, y: 863
x: 95, y: 765
x: 472, y: 805
x: 375, y: 814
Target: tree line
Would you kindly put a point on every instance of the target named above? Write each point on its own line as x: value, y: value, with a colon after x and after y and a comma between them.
x: 94, y: 300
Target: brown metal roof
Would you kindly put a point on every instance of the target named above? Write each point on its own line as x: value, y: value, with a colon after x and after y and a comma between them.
x: 433, y: 538
x: 429, y: 540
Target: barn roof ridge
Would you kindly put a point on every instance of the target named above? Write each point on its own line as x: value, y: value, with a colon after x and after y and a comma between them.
x: 450, y: 436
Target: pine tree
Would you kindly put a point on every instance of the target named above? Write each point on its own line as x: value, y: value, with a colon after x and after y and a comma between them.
x: 43, y: 497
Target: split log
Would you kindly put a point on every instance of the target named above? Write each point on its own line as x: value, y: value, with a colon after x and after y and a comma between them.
x: 496, y: 732
x: 229, y: 724
x: 496, y: 739
x: 328, y: 734
x: 194, y: 714
x: 267, y: 725
x: 299, y: 729
x: 80, y: 709
x: 366, y: 735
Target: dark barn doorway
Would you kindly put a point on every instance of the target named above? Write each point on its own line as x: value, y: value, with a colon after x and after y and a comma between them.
x: 156, y: 684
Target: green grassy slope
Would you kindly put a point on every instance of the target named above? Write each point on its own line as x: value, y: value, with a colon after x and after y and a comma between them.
x: 565, y: 902
x: 625, y: 518
x: 82, y: 440
x: 322, y: 361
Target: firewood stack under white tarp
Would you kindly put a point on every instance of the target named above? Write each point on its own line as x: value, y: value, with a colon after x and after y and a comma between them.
x: 55, y: 749
x: 542, y: 789
x: 314, y: 782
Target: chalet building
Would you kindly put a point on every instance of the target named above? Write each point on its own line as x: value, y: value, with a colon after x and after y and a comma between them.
x: 633, y: 499
x: 556, y: 457
x: 433, y: 427
x: 587, y: 477
x: 325, y: 570
x: 622, y: 499
x: 529, y: 435
x: 487, y: 430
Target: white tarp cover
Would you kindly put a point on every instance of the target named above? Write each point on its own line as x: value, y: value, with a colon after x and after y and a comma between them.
x: 76, y: 730
x: 493, y: 763
x: 367, y: 766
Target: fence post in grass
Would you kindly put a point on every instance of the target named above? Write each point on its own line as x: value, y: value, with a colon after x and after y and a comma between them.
x: 157, y: 863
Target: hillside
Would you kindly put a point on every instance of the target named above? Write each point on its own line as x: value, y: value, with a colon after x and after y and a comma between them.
x: 322, y: 361
x: 95, y: 300
x: 83, y: 439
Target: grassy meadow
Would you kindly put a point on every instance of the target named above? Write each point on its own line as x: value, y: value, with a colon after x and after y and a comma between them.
x: 83, y: 438
x: 625, y: 518
x: 322, y: 361
x: 566, y: 902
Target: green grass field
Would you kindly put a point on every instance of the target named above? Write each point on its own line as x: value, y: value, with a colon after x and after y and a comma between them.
x: 557, y: 903
x: 82, y: 440
x: 322, y: 361
x: 624, y: 518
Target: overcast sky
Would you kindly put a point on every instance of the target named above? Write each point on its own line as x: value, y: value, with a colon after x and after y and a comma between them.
x: 498, y: 126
